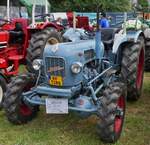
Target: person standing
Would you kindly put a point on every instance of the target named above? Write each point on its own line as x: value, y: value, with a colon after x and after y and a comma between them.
x: 103, y: 22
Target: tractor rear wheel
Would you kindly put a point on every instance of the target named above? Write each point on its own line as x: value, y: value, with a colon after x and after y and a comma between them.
x: 2, y: 90
x: 37, y: 44
x: 112, y: 112
x: 16, y: 110
x: 133, y: 69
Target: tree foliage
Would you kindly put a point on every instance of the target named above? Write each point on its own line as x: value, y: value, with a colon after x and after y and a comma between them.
x: 143, y: 3
x: 90, y: 5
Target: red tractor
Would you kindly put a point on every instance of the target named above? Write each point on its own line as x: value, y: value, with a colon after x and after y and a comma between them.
x: 15, y: 41
x: 81, y: 21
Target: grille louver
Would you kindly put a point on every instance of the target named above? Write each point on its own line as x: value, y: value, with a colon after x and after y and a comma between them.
x: 55, y: 66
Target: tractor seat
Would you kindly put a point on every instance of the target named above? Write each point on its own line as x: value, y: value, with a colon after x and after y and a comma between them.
x: 107, y: 36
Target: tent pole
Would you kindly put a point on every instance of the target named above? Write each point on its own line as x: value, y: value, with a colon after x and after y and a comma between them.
x: 46, y: 10
x: 33, y: 13
x: 8, y: 9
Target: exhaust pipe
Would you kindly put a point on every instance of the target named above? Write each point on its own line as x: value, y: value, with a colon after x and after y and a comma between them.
x: 99, y: 50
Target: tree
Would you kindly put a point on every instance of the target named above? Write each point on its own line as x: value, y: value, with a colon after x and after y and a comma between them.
x: 143, y: 3
x: 90, y: 6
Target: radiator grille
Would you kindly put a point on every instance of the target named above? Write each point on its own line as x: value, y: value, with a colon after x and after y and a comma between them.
x: 88, y: 54
x: 55, y: 66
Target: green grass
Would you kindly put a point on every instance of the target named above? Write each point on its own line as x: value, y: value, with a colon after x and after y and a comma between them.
x: 71, y: 130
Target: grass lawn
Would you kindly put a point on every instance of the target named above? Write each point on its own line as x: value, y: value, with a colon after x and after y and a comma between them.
x: 71, y: 130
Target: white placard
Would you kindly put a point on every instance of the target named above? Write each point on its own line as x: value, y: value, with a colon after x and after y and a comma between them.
x: 56, y: 106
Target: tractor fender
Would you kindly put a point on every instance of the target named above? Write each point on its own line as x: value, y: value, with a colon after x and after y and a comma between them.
x: 121, y: 45
x: 50, y: 24
x: 130, y: 36
x: 118, y: 40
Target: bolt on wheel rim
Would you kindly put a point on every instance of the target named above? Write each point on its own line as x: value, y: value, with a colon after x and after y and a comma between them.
x: 25, y: 110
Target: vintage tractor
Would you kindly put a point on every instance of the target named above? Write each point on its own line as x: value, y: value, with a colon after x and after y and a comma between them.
x: 90, y: 76
x: 15, y: 41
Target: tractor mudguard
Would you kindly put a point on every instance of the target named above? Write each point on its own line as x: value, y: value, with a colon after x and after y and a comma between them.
x: 47, y: 24
x: 130, y: 36
x: 118, y: 40
x: 52, y: 25
x: 44, y: 25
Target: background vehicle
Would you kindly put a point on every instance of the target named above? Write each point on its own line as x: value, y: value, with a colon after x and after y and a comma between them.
x: 90, y: 76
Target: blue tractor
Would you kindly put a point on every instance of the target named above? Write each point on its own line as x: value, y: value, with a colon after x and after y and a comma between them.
x: 91, y: 76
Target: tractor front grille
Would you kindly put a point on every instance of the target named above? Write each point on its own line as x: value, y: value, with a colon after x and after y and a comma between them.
x: 55, y: 66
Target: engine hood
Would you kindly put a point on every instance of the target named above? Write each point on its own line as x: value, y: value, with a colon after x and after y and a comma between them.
x: 72, y: 50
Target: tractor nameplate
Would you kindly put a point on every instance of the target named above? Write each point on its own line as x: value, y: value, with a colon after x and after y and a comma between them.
x: 57, y: 106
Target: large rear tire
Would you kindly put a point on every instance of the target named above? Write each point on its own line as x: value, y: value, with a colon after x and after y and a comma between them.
x: 37, y: 44
x: 16, y: 110
x: 112, y: 112
x: 2, y: 90
x: 133, y: 68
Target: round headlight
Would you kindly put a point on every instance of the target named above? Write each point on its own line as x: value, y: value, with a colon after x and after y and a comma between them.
x: 76, y: 67
x: 37, y: 64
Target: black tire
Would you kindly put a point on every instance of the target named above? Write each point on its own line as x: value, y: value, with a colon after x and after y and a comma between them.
x: 2, y: 90
x: 147, y: 59
x: 16, y: 110
x: 112, y: 112
x: 37, y: 44
x: 132, y: 69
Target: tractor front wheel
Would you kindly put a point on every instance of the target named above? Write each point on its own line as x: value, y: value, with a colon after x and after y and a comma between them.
x: 37, y: 45
x: 112, y: 112
x: 16, y: 110
x: 133, y: 68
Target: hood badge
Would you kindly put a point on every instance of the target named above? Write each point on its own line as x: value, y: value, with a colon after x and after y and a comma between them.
x: 54, y: 48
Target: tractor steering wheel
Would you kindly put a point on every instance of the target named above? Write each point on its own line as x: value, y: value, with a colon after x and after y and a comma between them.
x: 89, y: 33
x: 3, y: 22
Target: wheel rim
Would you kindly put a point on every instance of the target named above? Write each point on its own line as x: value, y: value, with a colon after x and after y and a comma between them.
x: 25, y: 110
x: 1, y: 94
x: 119, y: 115
x: 52, y: 41
x: 140, y: 70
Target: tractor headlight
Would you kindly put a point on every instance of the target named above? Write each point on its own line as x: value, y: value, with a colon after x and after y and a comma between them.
x: 76, y: 67
x: 37, y: 64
